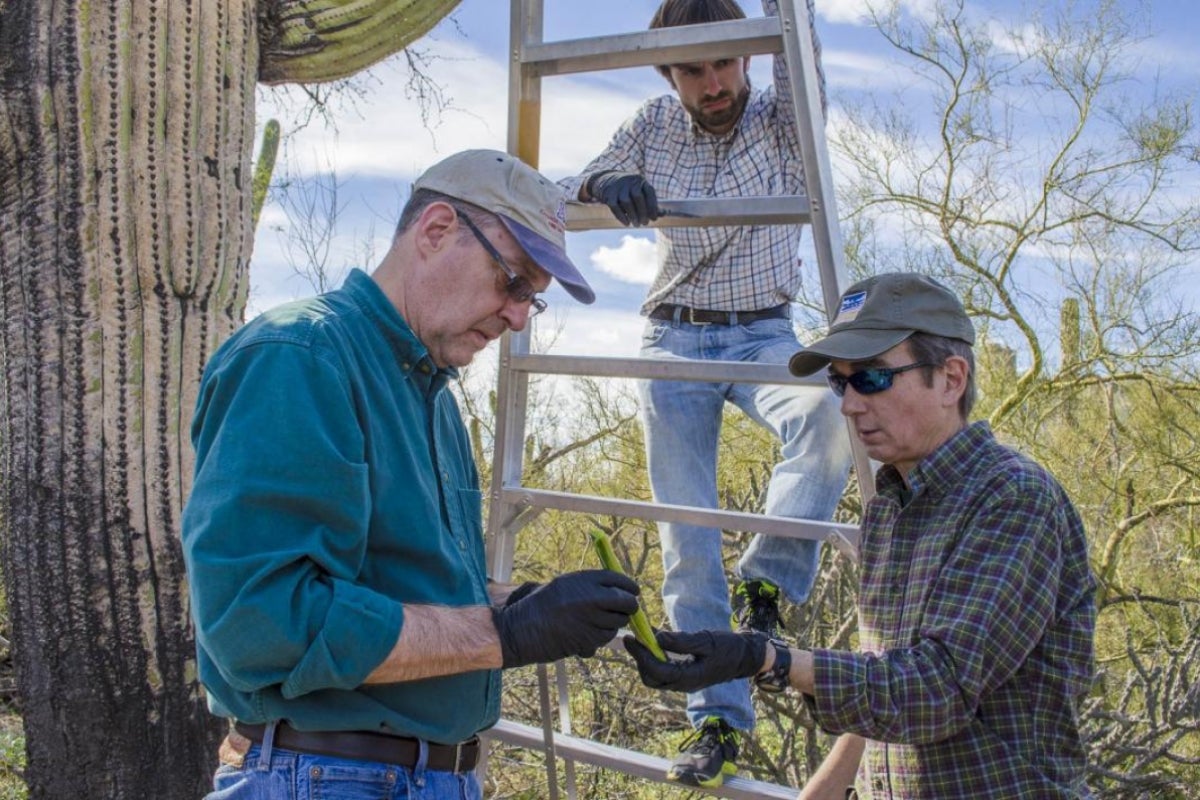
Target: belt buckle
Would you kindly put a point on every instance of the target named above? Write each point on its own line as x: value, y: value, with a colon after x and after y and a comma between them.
x: 458, y: 754
x: 691, y: 317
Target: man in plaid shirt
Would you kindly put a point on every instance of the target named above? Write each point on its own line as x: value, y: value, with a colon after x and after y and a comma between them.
x: 721, y: 293
x: 976, y: 602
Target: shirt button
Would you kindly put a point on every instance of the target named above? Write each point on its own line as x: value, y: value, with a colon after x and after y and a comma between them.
x: 406, y: 366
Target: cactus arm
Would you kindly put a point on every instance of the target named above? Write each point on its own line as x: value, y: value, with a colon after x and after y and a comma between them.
x: 310, y: 41
x: 263, y: 169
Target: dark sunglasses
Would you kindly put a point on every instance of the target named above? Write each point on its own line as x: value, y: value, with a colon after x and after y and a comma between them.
x: 516, y: 286
x: 871, y: 380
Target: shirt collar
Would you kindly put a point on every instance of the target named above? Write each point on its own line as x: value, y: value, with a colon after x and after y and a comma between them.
x: 411, y: 354
x: 941, y: 469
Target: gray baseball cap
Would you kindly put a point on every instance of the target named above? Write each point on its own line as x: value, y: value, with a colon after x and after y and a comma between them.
x: 876, y: 314
x: 532, y: 208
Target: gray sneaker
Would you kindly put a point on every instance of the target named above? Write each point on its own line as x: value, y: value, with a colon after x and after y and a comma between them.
x: 707, y: 756
x: 756, y: 608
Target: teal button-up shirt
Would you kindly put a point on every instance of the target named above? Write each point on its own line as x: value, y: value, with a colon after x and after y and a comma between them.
x: 334, y: 482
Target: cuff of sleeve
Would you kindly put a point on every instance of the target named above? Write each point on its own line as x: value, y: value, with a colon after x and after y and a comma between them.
x: 360, y: 630
x: 839, y: 680
x: 571, y: 186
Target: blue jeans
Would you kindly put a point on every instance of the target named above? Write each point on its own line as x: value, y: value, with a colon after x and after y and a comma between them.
x: 271, y: 773
x: 682, y: 421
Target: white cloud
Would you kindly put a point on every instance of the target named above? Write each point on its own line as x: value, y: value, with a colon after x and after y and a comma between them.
x: 597, y: 332
x: 857, y: 12
x: 633, y: 261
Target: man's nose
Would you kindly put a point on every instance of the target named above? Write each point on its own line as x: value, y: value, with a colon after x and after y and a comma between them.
x: 712, y: 86
x: 852, y: 402
x: 515, y: 314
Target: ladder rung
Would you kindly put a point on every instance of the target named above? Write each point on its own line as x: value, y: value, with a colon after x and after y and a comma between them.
x: 787, y: 527
x: 694, y: 212
x: 678, y: 45
x: 660, y: 369
x: 629, y: 762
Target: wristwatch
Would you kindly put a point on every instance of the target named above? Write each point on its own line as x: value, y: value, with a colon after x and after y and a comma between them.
x: 775, y: 679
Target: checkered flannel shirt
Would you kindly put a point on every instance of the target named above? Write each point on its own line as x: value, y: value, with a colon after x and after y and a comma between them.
x: 976, y: 618
x: 722, y: 268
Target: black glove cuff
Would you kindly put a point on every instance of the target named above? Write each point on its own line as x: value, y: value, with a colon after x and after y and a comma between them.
x: 507, y: 655
x: 590, y: 183
x: 775, y: 679
x: 524, y: 589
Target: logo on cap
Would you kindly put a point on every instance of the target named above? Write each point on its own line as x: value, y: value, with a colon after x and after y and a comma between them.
x: 558, y: 219
x: 851, y: 305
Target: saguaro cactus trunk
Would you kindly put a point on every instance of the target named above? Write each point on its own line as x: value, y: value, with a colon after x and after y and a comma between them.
x: 125, y: 231
x: 125, y: 133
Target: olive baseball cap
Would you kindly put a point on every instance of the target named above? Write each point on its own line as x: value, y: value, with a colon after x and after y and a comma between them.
x: 876, y: 314
x: 532, y: 208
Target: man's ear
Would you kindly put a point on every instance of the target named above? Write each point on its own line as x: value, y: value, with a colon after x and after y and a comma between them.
x: 957, y: 371
x: 436, y: 227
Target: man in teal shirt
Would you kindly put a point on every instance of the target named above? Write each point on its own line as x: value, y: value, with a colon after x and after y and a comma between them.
x: 333, y: 540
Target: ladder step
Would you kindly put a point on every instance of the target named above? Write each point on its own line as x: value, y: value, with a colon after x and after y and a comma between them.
x: 629, y: 762
x: 702, y: 211
x: 660, y: 369
x: 678, y: 45
x: 838, y: 534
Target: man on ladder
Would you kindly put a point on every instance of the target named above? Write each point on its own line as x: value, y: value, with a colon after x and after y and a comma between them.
x: 722, y: 293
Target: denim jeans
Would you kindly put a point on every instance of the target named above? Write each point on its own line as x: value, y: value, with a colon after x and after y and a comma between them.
x: 271, y: 773
x: 682, y: 421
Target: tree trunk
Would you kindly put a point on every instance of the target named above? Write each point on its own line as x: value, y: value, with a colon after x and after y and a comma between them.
x: 125, y: 136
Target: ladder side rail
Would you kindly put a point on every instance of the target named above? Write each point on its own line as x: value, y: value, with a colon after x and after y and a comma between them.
x: 801, y: 58
x: 508, y: 456
x: 678, y: 45
x: 512, y: 387
x: 525, y: 115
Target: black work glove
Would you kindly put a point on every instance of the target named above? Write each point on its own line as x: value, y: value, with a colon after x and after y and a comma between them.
x: 572, y: 615
x: 628, y: 195
x: 716, y: 657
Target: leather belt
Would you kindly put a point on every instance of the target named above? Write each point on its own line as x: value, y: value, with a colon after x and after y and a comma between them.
x: 704, y: 316
x: 367, y: 746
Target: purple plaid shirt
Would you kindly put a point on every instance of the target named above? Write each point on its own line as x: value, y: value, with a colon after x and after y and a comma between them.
x: 976, y: 617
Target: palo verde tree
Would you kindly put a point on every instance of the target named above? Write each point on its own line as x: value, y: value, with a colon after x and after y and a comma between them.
x: 125, y: 237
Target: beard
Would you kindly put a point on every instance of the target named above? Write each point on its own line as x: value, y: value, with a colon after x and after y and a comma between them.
x: 723, y: 120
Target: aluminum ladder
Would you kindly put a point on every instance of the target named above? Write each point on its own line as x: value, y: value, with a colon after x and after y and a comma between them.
x: 512, y: 505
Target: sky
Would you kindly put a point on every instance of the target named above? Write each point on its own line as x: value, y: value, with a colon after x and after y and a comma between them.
x: 377, y: 142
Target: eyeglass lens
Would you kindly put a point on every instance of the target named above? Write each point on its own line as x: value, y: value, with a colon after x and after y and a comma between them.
x: 869, y: 381
x: 516, y: 286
